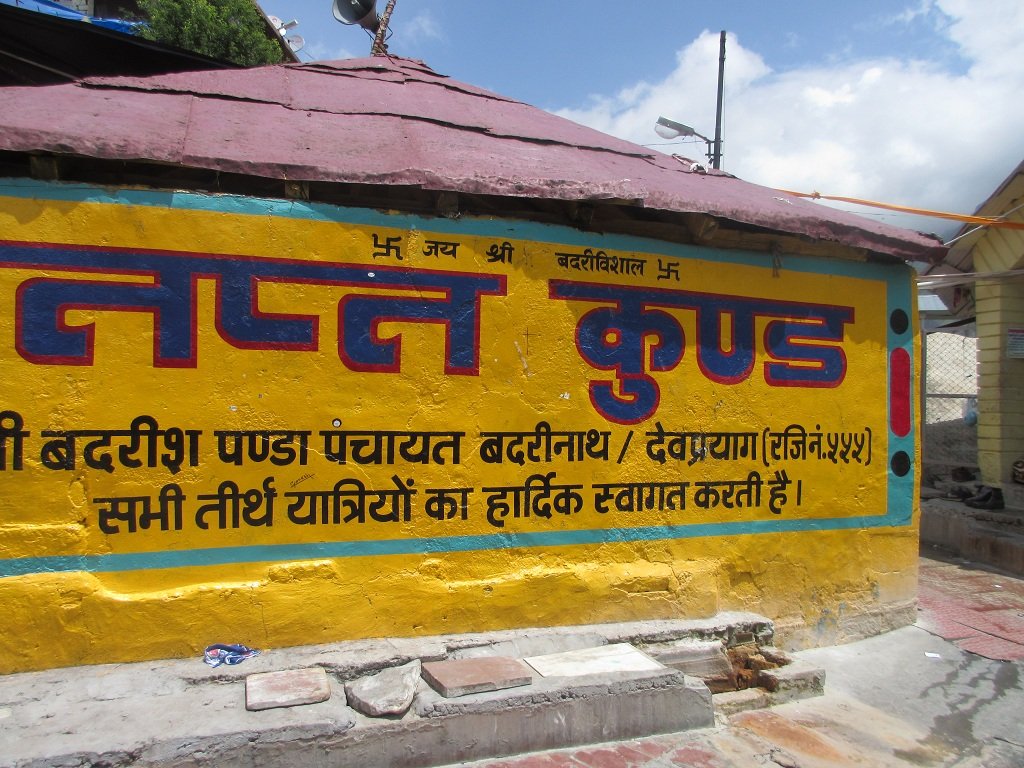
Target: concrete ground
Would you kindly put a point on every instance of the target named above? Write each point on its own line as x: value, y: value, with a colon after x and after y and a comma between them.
x: 945, y: 692
x: 918, y: 696
x: 994, y: 537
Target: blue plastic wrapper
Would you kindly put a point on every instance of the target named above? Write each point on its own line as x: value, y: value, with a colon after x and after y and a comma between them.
x: 222, y: 653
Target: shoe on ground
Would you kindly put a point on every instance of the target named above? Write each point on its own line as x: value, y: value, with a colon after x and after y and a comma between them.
x: 991, y: 499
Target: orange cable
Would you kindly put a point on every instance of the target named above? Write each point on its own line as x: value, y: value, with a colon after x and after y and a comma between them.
x: 986, y: 221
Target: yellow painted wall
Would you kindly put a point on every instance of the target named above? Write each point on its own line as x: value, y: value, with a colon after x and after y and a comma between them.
x: 500, y: 366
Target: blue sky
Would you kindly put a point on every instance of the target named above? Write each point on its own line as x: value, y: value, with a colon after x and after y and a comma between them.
x: 556, y: 54
x: 915, y: 102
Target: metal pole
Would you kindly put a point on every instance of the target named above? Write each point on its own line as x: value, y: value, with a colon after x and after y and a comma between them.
x: 380, y: 48
x: 716, y: 161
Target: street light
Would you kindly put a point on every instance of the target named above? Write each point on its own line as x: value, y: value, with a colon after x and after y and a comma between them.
x: 670, y: 129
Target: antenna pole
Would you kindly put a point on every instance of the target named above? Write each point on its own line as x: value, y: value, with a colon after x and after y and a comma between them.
x: 380, y: 48
x: 716, y: 161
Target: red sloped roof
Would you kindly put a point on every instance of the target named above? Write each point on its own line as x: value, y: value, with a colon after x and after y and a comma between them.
x: 386, y: 120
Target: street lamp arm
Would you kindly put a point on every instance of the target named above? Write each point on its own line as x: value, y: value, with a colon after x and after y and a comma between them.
x: 670, y: 129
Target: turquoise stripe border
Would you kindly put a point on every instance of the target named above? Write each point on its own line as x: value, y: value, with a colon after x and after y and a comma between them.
x: 899, y: 294
x: 139, y: 561
x: 901, y: 489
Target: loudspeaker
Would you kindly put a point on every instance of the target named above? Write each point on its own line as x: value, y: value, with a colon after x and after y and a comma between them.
x: 361, y: 12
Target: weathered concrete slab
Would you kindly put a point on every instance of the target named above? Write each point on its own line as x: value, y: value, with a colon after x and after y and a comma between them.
x: 794, y: 681
x: 991, y: 537
x: 606, y: 659
x: 706, y: 659
x: 555, y: 712
x: 731, y: 702
x: 699, y: 658
x: 287, y: 688
x: 534, y: 643
x: 460, y: 677
x: 184, y: 714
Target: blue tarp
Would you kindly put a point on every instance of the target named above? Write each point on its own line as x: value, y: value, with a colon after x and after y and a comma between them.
x: 56, y: 9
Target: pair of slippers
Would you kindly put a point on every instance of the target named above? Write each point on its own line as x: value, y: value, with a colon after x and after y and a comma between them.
x: 985, y: 497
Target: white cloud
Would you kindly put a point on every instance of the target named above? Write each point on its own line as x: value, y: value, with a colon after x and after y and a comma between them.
x: 924, y: 8
x: 317, y: 50
x: 420, y: 28
x: 911, y: 132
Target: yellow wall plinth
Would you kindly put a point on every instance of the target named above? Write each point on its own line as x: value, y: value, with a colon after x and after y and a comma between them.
x: 227, y: 419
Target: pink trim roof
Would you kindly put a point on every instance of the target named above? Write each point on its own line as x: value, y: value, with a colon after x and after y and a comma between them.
x: 395, y: 121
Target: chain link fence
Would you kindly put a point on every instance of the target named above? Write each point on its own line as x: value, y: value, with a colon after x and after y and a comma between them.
x: 951, y: 400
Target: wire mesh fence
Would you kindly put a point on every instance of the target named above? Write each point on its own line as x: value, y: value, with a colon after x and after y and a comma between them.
x: 951, y: 400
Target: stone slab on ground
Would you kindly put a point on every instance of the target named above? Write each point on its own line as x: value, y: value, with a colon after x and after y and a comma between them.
x: 695, y: 657
x: 287, y: 688
x: 461, y: 677
x: 794, y: 681
x: 605, y: 659
x: 732, y: 702
x: 534, y: 643
x: 389, y: 692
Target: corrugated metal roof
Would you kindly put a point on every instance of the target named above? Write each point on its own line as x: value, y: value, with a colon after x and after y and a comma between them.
x: 392, y: 121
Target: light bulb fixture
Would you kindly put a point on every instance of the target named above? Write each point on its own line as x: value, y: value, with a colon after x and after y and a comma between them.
x: 670, y: 129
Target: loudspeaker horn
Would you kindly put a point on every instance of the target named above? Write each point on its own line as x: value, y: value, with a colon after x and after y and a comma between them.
x: 361, y: 12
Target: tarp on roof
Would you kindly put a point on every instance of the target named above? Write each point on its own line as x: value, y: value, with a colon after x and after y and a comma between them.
x: 60, y: 11
x: 43, y: 48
